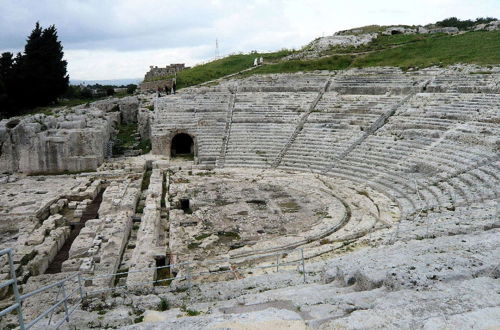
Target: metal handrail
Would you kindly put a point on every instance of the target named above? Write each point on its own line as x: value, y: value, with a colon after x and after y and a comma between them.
x: 13, y: 281
x: 69, y: 310
x: 50, y: 286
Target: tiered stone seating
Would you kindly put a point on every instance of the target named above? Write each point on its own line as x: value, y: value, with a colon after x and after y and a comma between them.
x: 284, y: 82
x: 262, y: 124
x: 409, y: 150
x: 436, y: 150
x: 455, y: 220
x: 465, y: 83
x: 368, y: 82
x: 336, y: 123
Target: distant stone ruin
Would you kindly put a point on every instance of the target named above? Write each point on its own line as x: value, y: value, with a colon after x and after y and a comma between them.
x: 157, y: 77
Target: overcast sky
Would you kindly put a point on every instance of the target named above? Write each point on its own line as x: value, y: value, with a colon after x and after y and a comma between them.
x: 105, y: 39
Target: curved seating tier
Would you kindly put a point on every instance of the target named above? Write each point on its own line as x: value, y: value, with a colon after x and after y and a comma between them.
x: 437, y: 149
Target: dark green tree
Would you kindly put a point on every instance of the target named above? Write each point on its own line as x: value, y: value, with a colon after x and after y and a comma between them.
x: 131, y: 88
x: 42, y: 67
x: 6, y: 64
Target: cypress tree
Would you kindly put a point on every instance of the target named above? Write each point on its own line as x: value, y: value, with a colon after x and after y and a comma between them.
x: 6, y: 64
x: 42, y: 68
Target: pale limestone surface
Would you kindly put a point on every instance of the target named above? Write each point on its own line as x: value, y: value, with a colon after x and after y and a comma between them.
x: 67, y: 139
x: 405, y: 164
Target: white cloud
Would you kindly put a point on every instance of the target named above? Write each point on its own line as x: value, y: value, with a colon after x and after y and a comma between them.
x: 107, y: 39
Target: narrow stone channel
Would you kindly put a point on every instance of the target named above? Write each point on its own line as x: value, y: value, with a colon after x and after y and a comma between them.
x: 63, y: 254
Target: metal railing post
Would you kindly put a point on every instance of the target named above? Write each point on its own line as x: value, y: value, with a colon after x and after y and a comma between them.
x: 17, y: 297
x: 65, y: 297
x: 80, y: 286
x: 303, y: 264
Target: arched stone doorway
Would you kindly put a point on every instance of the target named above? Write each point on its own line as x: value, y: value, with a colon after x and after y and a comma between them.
x: 182, y: 145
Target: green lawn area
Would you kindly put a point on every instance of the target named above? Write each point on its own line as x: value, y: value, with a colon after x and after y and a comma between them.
x: 223, y: 67
x: 472, y: 47
x: 404, y: 51
x: 327, y: 63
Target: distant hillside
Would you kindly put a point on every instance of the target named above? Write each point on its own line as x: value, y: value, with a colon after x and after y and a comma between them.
x: 404, y: 51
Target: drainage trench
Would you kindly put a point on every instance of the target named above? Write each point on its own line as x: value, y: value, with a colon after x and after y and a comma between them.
x: 91, y: 212
x: 136, y: 222
x: 163, y: 260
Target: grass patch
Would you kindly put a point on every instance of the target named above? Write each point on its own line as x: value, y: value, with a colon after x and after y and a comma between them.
x: 289, y: 207
x: 223, y: 67
x: 125, y: 138
x: 228, y: 234
x: 145, y: 146
x: 336, y: 62
x: 207, y: 173
x: 363, y: 193
x: 202, y: 236
x: 473, y: 47
x: 163, y: 305
x: 190, y: 312
x: 193, y: 245
x: 146, y: 179
x: 404, y: 51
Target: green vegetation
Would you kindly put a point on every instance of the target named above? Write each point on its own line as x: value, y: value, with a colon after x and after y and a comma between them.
x: 465, y: 24
x: 36, y: 77
x: 202, y: 236
x: 223, y: 67
x: 228, y: 234
x: 193, y: 245
x: 189, y: 312
x: 163, y: 305
x: 145, y: 180
x: 145, y: 146
x: 289, y: 207
x: 473, y: 47
x: 125, y: 138
x: 327, y: 63
x: 404, y: 51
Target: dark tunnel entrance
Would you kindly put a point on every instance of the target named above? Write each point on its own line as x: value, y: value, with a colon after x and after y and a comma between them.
x: 182, y: 145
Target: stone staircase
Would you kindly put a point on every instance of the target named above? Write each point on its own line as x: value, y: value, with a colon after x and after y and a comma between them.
x: 300, y: 125
x: 227, y: 131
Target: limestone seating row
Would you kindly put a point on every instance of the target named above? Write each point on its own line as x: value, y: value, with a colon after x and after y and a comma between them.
x: 468, y: 83
x: 148, y: 235
x: 377, y: 84
x: 256, y: 143
x: 281, y: 107
x: 451, y: 106
x: 282, y: 82
x: 337, y: 124
x: 466, y: 218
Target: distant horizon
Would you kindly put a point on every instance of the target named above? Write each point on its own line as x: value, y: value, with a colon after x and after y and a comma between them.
x: 112, y: 82
x: 115, y: 40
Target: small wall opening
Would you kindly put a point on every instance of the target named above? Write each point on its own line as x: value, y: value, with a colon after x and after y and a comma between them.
x: 185, y: 205
x: 182, y: 146
x: 162, y: 274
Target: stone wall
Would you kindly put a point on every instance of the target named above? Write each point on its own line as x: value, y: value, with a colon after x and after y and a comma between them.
x: 169, y: 70
x: 68, y: 140
x: 153, y: 85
